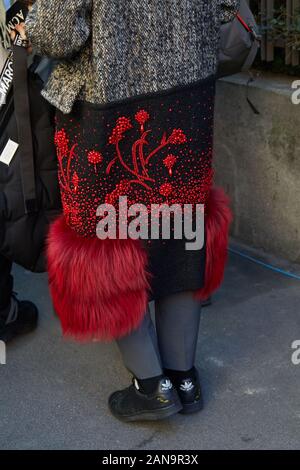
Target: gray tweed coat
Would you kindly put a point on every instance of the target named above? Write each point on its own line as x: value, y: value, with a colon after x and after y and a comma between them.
x: 109, y: 50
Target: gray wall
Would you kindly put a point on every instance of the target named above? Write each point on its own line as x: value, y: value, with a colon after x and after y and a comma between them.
x: 257, y: 161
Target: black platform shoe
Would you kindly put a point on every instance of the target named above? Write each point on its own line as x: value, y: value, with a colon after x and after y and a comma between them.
x: 131, y: 404
x: 23, y: 319
x: 189, y: 391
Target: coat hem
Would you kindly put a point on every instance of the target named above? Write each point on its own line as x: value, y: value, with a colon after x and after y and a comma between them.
x: 66, y: 109
x: 153, y: 94
x: 80, y: 103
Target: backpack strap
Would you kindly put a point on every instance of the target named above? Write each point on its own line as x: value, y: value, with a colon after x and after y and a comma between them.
x: 24, y: 127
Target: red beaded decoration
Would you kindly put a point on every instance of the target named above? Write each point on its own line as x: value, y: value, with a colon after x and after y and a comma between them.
x: 141, y: 117
x: 130, y: 160
x: 166, y: 189
x: 123, y: 124
x: 169, y: 162
x: 95, y: 158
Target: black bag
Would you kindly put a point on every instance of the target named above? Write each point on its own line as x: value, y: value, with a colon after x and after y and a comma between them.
x: 239, y: 43
x: 29, y: 191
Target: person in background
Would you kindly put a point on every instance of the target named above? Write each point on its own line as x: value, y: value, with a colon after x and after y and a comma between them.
x: 2, y: 35
x: 16, y: 317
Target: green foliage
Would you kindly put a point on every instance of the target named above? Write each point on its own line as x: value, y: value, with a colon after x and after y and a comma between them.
x: 282, y: 29
x: 285, y: 27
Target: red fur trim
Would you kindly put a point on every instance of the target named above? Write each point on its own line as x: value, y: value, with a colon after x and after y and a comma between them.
x: 99, y: 287
x: 218, y: 218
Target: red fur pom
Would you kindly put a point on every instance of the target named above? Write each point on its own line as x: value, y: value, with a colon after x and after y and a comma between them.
x: 218, y: 219
x: 99, y: 287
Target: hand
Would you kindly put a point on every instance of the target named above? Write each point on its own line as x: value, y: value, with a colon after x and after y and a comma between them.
x: 20, y: 28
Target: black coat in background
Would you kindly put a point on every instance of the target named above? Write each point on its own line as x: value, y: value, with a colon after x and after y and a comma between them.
x: 22, y: 236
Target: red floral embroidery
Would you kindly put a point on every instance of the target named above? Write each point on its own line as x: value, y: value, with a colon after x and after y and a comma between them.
x: 141, y: 117
x: 133, y: 167
x: 62, y: 142
x: 69, y: 184
x: 166, y: 189
x: 95, y: 158
x: 75, y: 182
x: 139, y: 168
x: 121, y: 189
x: 64, y: 152
x: 177, y: 137
x: 169, y: 162
x: 123, y: 125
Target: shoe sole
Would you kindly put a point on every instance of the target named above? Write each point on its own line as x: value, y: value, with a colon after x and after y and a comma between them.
x: 189, y: 408
x: 151, y: 415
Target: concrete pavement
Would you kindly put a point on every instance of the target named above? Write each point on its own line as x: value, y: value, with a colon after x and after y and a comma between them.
x: 53, y: 392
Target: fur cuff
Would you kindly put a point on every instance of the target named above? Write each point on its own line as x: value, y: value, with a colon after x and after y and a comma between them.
x: 99, y: 287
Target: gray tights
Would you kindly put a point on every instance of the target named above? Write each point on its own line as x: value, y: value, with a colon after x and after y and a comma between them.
x: 146, y: 352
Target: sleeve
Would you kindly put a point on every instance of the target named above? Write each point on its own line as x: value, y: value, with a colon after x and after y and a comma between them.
x: 58, y: 28
x: 229, y: 8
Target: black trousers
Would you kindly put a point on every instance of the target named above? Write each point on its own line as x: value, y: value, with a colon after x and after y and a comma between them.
x: 6, y: 282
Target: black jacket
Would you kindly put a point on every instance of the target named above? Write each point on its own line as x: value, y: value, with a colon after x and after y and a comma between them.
x: 22, y: 236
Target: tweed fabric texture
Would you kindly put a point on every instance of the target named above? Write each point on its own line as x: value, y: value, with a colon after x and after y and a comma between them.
x: 109, y: 50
